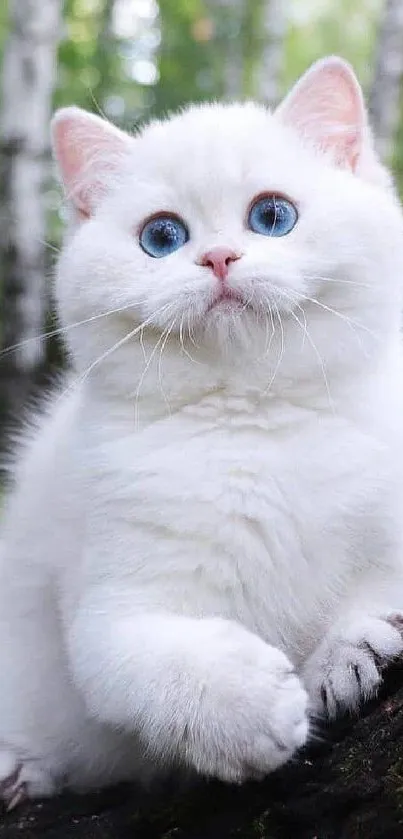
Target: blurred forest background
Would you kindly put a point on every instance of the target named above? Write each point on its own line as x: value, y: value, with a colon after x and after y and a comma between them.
x: 133, y: 59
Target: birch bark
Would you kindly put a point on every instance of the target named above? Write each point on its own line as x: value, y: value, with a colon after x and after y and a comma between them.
x: 28, y: 76
x: 384, y: 97
x: 229, y: 16
x: 274, y: 28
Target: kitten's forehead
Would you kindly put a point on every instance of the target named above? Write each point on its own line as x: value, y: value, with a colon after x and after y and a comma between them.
x: 212, y: 144
x: 212, y: 123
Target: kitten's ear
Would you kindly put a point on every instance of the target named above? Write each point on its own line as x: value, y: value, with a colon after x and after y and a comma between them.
x: 89, y: 151
x: 326, y: 106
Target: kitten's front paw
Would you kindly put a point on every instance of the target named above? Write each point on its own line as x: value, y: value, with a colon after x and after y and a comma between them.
x: 346, y: 669
x: 253, y: 716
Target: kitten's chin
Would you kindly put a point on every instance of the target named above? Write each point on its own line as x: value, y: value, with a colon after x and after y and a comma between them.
x: 232, y: 327
x: 227, y: 308
x: 227, y: 301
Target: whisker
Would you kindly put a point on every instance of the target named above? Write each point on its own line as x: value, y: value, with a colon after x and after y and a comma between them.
x: 191, y: 335
x: 319, y: 358
x: 61, y: 329
x: 248, y: 301
x: 350, y: 321
x: 142, y: 377
x: 141, y: 339
x: 163, y: 345
x: 281, y: 353
x: 182, y: 343
x: 305, y: 329
x: 352, y: 283
x: 281, y: 329
x: 49, y: 246
x: 190, y: 327
x: 269, y: 339
x: 97, y: 105
x: 107, y: 353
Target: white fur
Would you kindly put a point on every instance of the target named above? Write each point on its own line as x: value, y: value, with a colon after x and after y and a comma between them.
x: 216, y: 503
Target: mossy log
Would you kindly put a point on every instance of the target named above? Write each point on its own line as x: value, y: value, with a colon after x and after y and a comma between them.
x: 348, y: 785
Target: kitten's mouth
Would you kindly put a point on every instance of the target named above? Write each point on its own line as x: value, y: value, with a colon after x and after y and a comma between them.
x: 228, y: 298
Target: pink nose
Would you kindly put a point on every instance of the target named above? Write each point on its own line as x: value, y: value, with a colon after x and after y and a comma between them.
x: 219, y: 259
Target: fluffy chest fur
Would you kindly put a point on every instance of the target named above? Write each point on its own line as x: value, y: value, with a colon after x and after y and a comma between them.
x: 224, y: 507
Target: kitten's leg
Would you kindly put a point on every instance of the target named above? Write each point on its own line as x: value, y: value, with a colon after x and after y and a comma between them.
x: 204, y: 692
x: 346, y: 668
x: 43, y: 727
x: 32, y: 696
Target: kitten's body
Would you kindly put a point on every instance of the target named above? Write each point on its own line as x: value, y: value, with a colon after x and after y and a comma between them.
x: 202, y: 499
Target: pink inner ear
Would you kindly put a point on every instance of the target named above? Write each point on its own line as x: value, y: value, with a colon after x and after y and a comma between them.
x: 87, y: 149
x: 70, y: 158
x: 326, y: 107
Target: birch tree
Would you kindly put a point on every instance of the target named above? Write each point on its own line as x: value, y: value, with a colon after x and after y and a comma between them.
x: 233, y: 64
x: 385, y: 93
x: 228, y: 16
x: 274, y: 28
x: 104, y: 56
x: 28, y: 75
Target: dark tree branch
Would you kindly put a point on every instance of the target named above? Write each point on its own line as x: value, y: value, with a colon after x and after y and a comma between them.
x: 349, y: 786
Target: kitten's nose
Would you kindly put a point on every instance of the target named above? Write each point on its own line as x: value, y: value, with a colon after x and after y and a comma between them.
x: 219, y: 260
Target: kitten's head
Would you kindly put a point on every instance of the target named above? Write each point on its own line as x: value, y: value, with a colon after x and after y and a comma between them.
x: 231, y: 227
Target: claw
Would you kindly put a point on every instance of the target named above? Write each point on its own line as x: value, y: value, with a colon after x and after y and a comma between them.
x: 10, y: 782
x: 396, y: 620
x: 12, y: 790
x: 323, y: 693
x: 19, y: 795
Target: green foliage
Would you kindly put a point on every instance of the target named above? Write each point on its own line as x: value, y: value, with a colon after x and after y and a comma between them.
x: 196, y: 41
x: 334, y: 27
x: 186, y: 57
x: 200, y: 41
x: 91, y: 66
x: 3, y: 23
x: 190, y: 46
x: 397, y: 158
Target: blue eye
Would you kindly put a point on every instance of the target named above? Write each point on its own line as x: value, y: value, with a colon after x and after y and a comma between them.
x: 272, y: 215
x: 163, y: 235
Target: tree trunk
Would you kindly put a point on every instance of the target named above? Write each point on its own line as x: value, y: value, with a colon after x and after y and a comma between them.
x: 28, y: 75
x: 229, y: 18
x: 233, y: 68
x: 385, y: 93
x: 104, y: 58
x: 274, y: 28
x: 350, y: 786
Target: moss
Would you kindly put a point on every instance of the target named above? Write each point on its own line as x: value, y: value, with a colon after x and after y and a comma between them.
x: 353, y: 763
x: 259, y: 828
x: 394, y: 782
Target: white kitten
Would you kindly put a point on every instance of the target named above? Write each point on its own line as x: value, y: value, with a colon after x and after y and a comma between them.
x: 213, y: 504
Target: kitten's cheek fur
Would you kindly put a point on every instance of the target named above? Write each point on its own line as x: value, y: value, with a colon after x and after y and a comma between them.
x: 202, y: 692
